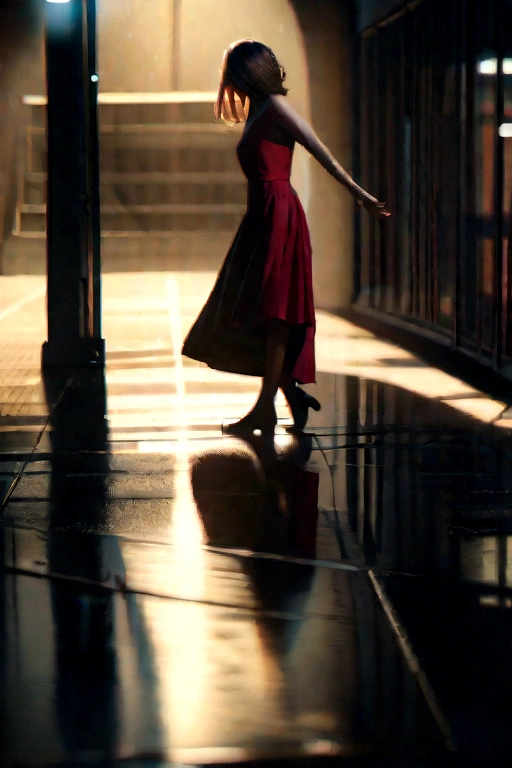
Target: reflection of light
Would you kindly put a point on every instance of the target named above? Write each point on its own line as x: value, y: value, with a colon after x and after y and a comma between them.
x: 191, y: 646
x: 155, y: 446
x: 495, y: 601
x: 490, y: 67
x: 177, y: 407
x: 168, y: 446
x: 479, y: 407
x: 360, y: 354
x: 506, y: 130
x: 193, y: 446
x: 94, y: 78
x: 187, y: 539
x: 177, y: 629
x: 57, y: 1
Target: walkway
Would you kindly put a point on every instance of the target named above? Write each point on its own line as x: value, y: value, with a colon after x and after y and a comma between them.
x: 173, y: 595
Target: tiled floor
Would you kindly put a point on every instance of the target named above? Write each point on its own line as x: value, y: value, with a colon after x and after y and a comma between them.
x: 170, y: 594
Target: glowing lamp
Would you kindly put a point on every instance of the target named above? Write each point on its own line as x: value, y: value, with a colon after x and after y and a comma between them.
x: 490, y: 67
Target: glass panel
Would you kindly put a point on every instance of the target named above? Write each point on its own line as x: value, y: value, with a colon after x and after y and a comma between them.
x: 376, y: 182
x: 478, y: 305
x: 404, y: 169
x: 446, y: 190
x: 405, y: 219
x: 507, y: 229
x: 485, y: 120
x: 446, y: 196
x: 366, y: 149
x: 505, y: 131
x: 391, y: 188
x: 430, y: 82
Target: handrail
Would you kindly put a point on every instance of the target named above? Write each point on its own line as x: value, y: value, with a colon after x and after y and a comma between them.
x: 171, y: 97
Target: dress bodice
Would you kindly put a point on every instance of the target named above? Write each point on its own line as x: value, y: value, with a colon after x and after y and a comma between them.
x: 265, y: 151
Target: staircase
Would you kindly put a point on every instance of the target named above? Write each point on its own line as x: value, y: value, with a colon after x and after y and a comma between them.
x: 172, y: 192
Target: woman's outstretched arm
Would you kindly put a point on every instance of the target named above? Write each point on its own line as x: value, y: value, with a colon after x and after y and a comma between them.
x: 289, y: 119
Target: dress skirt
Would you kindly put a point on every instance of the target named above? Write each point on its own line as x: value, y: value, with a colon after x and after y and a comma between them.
x: 267, y: 273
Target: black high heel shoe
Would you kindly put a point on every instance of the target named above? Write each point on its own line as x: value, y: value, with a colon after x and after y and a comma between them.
x: 249, y: 424
x: 300, y: 403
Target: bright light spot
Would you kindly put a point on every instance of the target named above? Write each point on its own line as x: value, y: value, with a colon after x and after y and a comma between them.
x: 283, y: 440
x: 321, y: 747
x: 94, y: 78
x: 503, y: 423
x: 490, y: 66
x: 479, y: 407
x: 156, y: 446
x: 506, y: 130
x: 360, y: 354
x: 495, y: 601
x: 57, y: 1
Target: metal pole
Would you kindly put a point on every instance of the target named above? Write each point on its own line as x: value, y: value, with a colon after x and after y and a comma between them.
x: 73, y: 299
x: 94, y: 255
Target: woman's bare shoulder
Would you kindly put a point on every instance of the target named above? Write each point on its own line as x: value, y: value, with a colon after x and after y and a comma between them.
x: 288, y: 118
x: 281, y: 105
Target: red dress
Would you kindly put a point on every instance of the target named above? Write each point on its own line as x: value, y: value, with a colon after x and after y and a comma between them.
x: 267, y: 271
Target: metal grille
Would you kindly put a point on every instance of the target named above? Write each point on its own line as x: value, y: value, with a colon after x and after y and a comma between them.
x: 436, y: 100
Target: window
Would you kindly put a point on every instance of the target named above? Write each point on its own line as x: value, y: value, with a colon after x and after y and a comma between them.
x: 436, y: 144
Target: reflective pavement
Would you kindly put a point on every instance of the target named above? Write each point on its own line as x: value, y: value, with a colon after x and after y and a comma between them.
x: 173, y: 596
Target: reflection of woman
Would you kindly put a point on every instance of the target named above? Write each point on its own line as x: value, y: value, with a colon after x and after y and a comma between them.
x: 259, y: 319
x: 243, y: 503
x: 229, y: 491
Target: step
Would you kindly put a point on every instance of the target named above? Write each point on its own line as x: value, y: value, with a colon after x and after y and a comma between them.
x: 165, y: 209
x: 136, y: 251
x: 157, y: 177
x: 171, y: 107
x: 144, y: 218
x: 169, y: 128
x: 219, y: 141
x: 151, y: 188
x: 160, y: 152
x: 142, y: 234
x: 168, y: 234
x: 141, y: 98
x: 152, y: 128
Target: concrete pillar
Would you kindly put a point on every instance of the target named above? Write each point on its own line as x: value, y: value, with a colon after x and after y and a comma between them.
x: 328, y: 29
x: 73, y: 229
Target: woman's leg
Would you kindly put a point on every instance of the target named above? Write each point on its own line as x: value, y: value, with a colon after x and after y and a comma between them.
x: 298, y: 400
x: 263, y: 414
x: 286, y: 381
x: 278, y: 332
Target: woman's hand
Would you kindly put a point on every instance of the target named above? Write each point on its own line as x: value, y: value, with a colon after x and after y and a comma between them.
x: 374, y: 207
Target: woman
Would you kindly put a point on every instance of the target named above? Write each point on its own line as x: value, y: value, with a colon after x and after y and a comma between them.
x: 259, y: 319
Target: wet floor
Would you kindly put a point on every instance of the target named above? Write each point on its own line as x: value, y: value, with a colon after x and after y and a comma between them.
x: 170, y: 595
